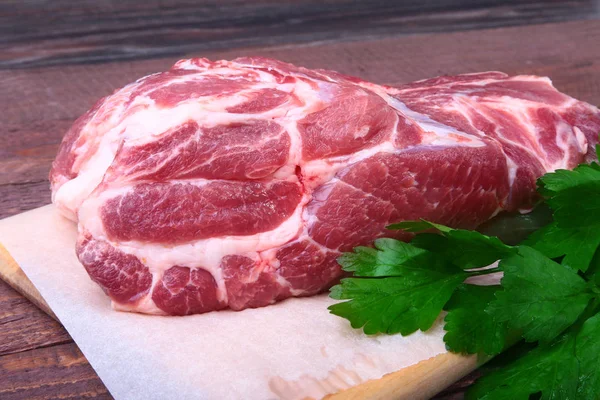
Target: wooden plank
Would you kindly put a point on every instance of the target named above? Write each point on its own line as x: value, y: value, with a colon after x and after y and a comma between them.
x: 49, y: 373
x: 19, y: 197
x: 40, y: 104
x: 24, y: 326
x: 111, y: 30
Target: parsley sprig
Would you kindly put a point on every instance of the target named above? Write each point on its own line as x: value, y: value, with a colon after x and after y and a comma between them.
x: 549, y: 293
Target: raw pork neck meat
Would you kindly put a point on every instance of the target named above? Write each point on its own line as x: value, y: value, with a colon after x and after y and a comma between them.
x: 238, y: 183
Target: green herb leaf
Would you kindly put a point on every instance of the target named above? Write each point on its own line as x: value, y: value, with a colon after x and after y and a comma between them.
x: 540, y: 297
x: 384, y: 260
x: 592, y: 274
x: 552, y: 370
x: 466, y: 249
x: 560, y: 180
x: 397, y: 288
x: 575, y: 232
x: 578, y: 245
x: 469, y: 328
x: 394, y: 304
x: 587, y: 350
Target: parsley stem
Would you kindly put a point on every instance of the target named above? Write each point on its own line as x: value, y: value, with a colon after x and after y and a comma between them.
x: 591, y: 310
x: 484, y: 272
x: 594, y: 307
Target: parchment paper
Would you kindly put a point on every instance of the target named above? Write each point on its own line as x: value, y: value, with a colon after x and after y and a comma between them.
x: 292, y: 350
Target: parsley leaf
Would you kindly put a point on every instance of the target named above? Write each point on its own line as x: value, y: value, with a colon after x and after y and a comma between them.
x: 565, y: 369
x: 575, y: 232
x: 563, y: 179
x: 394, y: 304
x: 592, y: 274
x: 578, y: 245
x: 551, y: 369
x: 383, y: 260
x: 469, y: 328
x: 396, y: 288
x: 540, y: 297
x: 466, y: 249
x: 587, y: 350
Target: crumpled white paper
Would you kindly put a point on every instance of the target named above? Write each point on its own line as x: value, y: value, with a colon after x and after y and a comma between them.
x: 292, y: 350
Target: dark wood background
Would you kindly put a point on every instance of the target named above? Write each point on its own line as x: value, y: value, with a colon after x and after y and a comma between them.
x: 58, y: 56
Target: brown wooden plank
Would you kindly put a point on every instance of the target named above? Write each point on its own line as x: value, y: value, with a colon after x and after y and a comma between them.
x: 23, y: 326
x: 53, y: 372
x: 41, y: 103
x: 19, y: 197
x: 109, y: 30
x: 38, y: 105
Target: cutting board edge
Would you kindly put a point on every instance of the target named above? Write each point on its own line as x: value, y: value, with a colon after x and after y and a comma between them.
x: 419, y: 381
x: 11, y: 273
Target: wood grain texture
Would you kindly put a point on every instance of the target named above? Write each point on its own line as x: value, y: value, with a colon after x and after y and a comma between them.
x: 58, y: 372
x: 40, y: 103
x: 24, y: 326
x: 111, y: 30
x: 19, y: 197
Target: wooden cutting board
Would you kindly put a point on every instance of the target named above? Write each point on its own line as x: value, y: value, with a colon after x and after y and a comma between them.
x: 11, y: 273
x: 419, y: 381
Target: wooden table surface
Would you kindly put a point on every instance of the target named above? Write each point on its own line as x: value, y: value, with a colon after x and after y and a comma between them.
x: 57, y: 57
